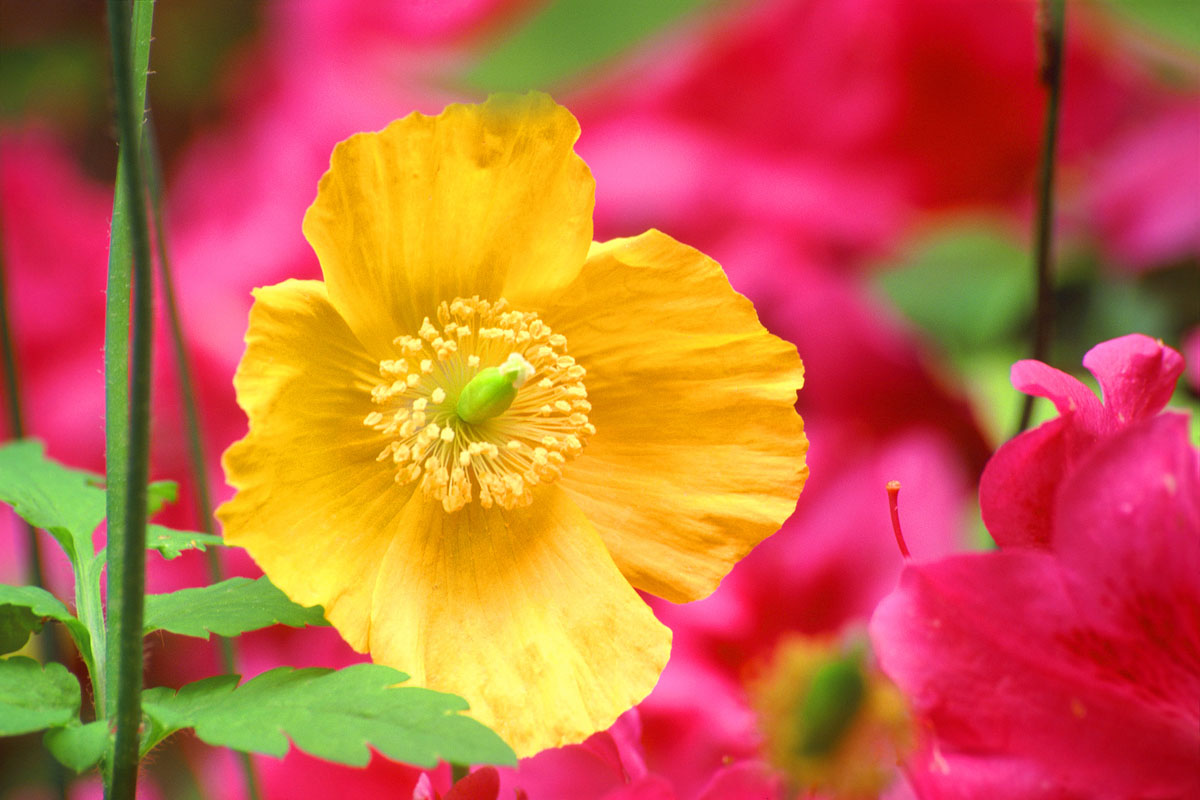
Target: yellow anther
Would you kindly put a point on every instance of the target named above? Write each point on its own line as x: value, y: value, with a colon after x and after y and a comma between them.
x: 498, y: 457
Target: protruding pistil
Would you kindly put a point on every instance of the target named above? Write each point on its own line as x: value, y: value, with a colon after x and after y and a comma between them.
x: 493, y: 389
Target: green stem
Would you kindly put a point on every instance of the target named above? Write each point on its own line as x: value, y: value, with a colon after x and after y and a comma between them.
x: 1052, y: 19
x: 127, y: 531
x: 187, y: 387
x: 116, y: 348
x: 458, y: 772
x: 46, y: 644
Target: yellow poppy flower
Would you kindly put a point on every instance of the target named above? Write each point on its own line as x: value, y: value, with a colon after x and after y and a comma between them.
x: 482, y: 431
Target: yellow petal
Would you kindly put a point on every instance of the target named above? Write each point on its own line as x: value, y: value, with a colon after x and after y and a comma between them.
x: 485, y: 200
x: 521, y: 612
x: 699, y: 453
x: 313, y: 506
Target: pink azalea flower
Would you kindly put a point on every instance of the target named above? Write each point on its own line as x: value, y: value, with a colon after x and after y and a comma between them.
x: 1070, y: 671
x: 1018, y: 490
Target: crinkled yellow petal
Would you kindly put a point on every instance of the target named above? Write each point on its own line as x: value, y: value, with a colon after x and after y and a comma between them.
x: 485, y: 200
x: 313, y: 507
x: 522, y: 612
x: 699, y: 453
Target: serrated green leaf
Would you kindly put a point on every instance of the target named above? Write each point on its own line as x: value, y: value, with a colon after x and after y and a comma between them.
x: 967, y: 285
x: 331, y: 715
x: 32, y: 698
x: 16, y: 624
x: 227, y: 608
x: 171, y: 543
x: 159, y: 493
x: 36, y: 599
x: 79, y: 747
x: 44, y: 605
x: 67, y: 503
x: 570, y: 36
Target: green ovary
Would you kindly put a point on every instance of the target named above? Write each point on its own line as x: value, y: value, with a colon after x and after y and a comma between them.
x: 493, y: 389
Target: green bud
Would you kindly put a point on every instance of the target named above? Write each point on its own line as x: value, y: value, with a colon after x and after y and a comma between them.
x: 493, y: 389
x: 834, y: 698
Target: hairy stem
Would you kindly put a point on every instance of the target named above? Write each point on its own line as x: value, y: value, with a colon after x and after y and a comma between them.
x: 127, y: 528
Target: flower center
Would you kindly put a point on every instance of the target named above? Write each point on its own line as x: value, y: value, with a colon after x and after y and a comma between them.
x: 830, y: 722
x: 486, y: 403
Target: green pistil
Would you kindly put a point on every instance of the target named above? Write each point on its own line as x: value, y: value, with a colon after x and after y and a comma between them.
x: 493, y: 389
x: 833, y: 700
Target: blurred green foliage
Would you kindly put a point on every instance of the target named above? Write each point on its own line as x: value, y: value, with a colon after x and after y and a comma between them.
x: 1177, y: 21
x: 54, y: 69
x: 570, y: 36
x: 967, y: 285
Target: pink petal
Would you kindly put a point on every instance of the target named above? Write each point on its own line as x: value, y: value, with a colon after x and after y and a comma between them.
x: 1068, y: 394
x: 1128, y: 524
x: 649, y: 788
x: 1137, y: 375
x: 1018, y: 485
x: 482, y: 784
x: 605, y: 762
x: 746, y: 780
x: 940, y: 775
x: 1084, y: 661
x: 975, y: 642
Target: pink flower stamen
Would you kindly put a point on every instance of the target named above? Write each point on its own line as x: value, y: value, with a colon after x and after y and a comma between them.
x: 893, y: 490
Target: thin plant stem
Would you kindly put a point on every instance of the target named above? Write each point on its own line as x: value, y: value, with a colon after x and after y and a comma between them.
x: 45, y: 642
x: 195, y: 436
x: 197, y: 458
x: 1052, y: 23
x: 16, y: 414
x: 116, y: 350
x: 127, y: 537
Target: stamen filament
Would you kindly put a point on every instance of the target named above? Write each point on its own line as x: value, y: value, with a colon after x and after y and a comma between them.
x: 893, y: 490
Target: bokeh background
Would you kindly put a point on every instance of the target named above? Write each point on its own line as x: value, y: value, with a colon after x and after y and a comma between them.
x: 863, y: 169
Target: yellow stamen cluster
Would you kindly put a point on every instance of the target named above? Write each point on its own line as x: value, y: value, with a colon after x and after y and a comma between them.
x: 500, y: 459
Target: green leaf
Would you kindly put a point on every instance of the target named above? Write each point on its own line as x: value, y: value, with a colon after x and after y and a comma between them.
x: 331, y: 715
x: 227, y: 608
x: 68, y: 503
x: 569, y: 36
x: 42, y: 605
x: 159, y: 493
x: 32, y: 698
x: 79, y: 747
x: 16, y: 623
x: 968, y: 285
x: 171, y: 543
